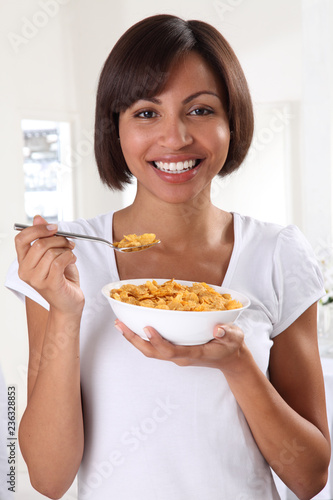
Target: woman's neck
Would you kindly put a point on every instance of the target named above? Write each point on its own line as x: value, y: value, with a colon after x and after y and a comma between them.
x: 182, y: 224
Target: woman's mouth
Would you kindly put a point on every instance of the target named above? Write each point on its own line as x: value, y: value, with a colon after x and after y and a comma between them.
x: 176, y: 167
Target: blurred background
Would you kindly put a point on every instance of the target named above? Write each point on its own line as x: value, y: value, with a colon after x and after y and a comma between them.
x: 51, y: 54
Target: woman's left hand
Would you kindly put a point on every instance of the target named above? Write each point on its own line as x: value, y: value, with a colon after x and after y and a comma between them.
x: 223, y: 352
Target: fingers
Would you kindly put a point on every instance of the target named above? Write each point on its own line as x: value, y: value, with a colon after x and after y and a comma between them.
x: 41, y: 254
x: 219, y: 353
x: 46, y: 247
x: 179, y: 354
x: 134, y: 339
x: 50, y: 270
x: 38, y: 219
x: 157, y: 347
x: 24, y: 238
x: 220, y: 332
x: 57, y: 268
x: 228, y: 333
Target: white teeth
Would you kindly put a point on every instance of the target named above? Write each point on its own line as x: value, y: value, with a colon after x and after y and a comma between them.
x: 180, y: 166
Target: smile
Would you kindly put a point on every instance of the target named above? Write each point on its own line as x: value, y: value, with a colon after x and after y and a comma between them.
x: 176, y: 167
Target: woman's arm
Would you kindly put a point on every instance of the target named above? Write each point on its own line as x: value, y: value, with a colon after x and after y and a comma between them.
x: 286, y: 415
x: 51, y: 429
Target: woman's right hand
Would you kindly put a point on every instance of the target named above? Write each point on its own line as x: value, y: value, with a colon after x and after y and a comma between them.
x: 47, y: 263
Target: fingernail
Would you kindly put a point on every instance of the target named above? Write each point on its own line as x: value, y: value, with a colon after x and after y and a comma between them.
x: 118, y: 328
x: 220, y: 332
x: 147, y: 332
x: 71, y: 244
x: 51, y: 227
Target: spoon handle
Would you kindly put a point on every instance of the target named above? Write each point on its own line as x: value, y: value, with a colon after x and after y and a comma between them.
x: 74, y: 236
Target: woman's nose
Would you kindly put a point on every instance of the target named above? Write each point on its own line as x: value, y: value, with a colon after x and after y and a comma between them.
x: 174, y: 133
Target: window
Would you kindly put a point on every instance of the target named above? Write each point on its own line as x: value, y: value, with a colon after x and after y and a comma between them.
x: 48, y: 179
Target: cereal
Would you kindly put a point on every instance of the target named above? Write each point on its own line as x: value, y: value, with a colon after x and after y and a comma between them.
x: 133, y: 240
x: 174, y: 296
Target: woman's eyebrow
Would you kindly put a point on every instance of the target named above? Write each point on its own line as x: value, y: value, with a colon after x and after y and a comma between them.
x: 188, y: 99
x: 154, y: 100
x: 198, y: 94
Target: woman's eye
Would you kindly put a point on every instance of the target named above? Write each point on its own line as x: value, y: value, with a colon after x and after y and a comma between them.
x: 201, y: 112
x: 146, y: 114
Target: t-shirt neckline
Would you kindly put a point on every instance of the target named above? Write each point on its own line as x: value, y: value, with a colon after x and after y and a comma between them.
x: 235, y: 252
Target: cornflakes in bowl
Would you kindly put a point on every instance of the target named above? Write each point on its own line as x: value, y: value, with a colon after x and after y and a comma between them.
x: 183, y: 312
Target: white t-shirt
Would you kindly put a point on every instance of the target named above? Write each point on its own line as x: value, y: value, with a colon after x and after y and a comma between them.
x: 158, y: 431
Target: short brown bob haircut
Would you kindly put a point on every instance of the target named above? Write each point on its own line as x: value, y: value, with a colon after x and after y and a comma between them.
x: 137, y: 68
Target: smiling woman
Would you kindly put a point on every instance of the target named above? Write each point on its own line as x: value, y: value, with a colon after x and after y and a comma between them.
x: 182, y: 134
x: 139, y: 67
x: 174, y: 111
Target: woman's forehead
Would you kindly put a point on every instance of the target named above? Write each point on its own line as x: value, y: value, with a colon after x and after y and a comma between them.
x: 188, y: 71
x: 193, y: 70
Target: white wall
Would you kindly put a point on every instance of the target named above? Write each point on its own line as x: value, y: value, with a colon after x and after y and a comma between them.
x: 36, y: 82
x: 317, y: 124
x: 54, y: 74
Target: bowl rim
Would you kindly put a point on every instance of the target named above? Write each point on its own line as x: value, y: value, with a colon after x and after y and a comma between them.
x: 106, y: 288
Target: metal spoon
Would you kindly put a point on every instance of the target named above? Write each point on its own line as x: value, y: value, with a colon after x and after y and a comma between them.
x: 75, y: 236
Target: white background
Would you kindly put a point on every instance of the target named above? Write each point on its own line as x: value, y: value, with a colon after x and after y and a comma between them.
x: 51, y: 53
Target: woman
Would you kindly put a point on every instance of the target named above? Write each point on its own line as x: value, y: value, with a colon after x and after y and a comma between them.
x: 142, y: 419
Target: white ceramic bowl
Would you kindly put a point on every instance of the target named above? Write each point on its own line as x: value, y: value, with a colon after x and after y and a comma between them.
x: 179, y: 327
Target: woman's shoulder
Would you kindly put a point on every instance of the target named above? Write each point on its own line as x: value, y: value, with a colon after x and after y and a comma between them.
x: 258, y: 232
x: 283, y: 249
x: 268, y: 244
x: 277, y: 268
x: 259, y: 226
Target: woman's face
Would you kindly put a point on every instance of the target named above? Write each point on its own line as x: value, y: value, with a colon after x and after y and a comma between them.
x: 177, y: 141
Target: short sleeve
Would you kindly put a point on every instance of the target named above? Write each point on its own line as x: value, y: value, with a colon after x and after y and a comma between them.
x: 22, y: 289
x: 297, y: 279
